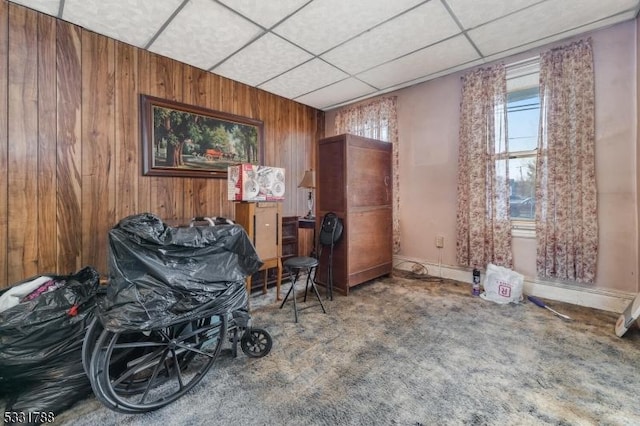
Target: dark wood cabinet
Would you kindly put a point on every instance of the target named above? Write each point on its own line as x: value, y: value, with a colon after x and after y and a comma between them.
x: 289, y: 237
x: 354, y: 181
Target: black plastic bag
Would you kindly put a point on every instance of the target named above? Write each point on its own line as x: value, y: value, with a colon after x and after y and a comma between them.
x: 41, y: 342
x: 61, y: 386
x: 160, y: 275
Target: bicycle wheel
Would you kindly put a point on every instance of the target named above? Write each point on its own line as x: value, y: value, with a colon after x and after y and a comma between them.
x: 141, y: 372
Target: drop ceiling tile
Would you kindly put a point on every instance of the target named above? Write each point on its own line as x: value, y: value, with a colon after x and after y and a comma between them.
x: 454, y: 69
x: 438, y: 57
x: 131, y: 22
x: 50, y: 7
x: 262, y: 60
x: 265, y: 13
x: 339, y: 92
x: 323, y: 24
x: 472, y: 13
x: 543, y: 20
x: 559, y: 37
x: 204, y: 33
x: 304, y: 79
x: 424, y: 25
x: 465, y: 66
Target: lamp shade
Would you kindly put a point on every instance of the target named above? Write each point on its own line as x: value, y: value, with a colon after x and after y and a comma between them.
x: 308, y: 180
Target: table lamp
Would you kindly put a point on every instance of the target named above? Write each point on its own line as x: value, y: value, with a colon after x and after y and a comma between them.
x: 309, y: 182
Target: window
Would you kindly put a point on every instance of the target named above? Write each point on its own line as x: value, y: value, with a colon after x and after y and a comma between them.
x: 523, y: 116
x: 374, y: 130
x: 523, y: 119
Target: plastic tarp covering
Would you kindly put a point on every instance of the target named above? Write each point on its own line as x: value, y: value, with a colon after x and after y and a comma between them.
x: 161, y: 275
x: 41, y: 343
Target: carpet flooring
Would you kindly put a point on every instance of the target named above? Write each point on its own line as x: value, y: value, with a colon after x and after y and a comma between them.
x: 401, y: 351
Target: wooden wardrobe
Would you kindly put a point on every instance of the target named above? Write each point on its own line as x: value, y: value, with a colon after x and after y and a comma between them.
x: 354, y: 181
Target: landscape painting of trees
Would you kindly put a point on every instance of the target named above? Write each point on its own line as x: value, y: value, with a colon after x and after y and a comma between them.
x: 185, y: 140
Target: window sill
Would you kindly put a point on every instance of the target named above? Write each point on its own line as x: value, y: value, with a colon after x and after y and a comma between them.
x: 523, y: 229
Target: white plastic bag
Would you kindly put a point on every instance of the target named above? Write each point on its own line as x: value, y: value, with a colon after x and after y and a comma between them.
x: 502, y: 285
x: 12, y: 297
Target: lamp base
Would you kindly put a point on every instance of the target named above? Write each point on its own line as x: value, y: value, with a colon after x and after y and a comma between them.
x: 310, y: 206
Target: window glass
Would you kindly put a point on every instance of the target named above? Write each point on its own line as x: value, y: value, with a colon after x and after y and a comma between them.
x: 522, y: 175
x: 369, y: 129
x: 523, y: 116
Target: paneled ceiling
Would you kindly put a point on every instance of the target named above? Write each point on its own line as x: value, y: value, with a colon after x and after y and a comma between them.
x: 327, y: 53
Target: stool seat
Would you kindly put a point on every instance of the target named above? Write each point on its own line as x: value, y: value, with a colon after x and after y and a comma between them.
x: 301, y: 262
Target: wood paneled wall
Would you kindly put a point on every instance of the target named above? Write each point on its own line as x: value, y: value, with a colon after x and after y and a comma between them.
x: 70, y: 156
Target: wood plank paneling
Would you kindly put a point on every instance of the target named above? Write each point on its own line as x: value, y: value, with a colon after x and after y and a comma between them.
x: 98, y: 146
x: 68, y: 165
x: 127, y: 160
x: 73, y: 165
x: 47, y: 108
x: 144, y: 85
x: 4, y: 175
x: 23, y: 150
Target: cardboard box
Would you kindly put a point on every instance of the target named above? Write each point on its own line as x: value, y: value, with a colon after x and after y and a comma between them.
x: 250, y: 182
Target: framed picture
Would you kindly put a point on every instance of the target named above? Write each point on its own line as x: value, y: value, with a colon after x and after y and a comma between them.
x: 190, y: 141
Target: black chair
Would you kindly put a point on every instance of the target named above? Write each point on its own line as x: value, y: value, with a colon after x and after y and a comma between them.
x: 330, y: 232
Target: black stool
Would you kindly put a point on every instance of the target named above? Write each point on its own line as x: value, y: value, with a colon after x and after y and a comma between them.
x: 297, y: 265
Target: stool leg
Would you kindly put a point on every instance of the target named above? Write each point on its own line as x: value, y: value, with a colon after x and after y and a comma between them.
x: 306, y: 287
x: 289, y: 292
x: 293, y: 285
x: 287, y: 296
x: 315, y: 289
x: 292, y: 291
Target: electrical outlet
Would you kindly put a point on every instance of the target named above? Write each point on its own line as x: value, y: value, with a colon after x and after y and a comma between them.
x: 440, y: 241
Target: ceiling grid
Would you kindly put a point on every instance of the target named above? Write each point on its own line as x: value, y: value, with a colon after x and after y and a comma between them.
x: 327, y: 53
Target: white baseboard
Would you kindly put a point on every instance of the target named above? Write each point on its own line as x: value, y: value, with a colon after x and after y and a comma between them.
x: 607, y: 300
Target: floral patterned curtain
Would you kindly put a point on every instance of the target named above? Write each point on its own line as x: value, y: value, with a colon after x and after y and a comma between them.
x: 483, y: 222
x: 566, y: 208
x: 376, y: 119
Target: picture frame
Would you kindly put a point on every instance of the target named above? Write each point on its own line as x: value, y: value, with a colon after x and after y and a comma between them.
x: 192, y: 141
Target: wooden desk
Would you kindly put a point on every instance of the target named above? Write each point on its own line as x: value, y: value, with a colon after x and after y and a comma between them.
x: 306, y: 223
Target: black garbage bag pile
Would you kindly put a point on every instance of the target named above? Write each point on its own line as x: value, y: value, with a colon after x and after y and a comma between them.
x: 161, y: 275
x: 41, y: 341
